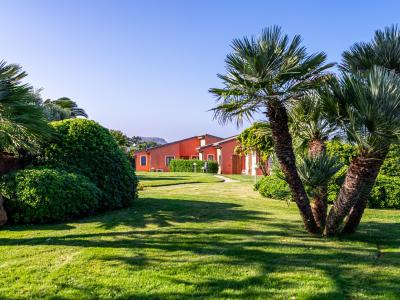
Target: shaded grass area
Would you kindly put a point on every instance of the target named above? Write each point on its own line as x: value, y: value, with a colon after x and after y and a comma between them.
x: 153, y: 179
x: 202, y: 241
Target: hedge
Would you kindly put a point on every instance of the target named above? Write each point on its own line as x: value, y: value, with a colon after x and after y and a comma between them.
x: 42, y: 195
x: 85, y: 147
x: 187, y: 165
x: 385, y: 193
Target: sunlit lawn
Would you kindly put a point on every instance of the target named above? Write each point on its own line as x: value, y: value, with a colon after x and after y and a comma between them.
x: 151, y: 179
x: 205, y: 241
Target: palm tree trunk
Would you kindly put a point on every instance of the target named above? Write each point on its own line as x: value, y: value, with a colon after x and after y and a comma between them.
x: 316, y: 147
x: 3, y: 214
x: 319, y: 204
x: 361, y: 174
x: 357, y: 210
x: 284, y: 151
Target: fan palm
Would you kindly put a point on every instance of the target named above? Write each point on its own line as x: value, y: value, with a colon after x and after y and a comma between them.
x: 22, y: 123
x: 263, y: 75
x: 368, y: 109
x: 316, y: 171
x: 383, y: 50
x: 308, y: 121
x: 310, y: 125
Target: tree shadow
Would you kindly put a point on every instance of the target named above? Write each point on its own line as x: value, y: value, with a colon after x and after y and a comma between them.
x: 167, y: 212
x: 231, y: 247
x: 267, y: 249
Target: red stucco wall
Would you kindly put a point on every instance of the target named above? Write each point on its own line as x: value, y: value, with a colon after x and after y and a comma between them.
x: 227, y: 151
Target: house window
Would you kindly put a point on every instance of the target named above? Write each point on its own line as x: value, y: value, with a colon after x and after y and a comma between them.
x: 184, y: 157
x: 168, y: 159
x: 210, y: 157
x: 143, y: 160
x: 195, y: 157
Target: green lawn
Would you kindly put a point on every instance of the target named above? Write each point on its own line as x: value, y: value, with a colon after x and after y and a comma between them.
x: 205, y: 241
x: 152, y: 179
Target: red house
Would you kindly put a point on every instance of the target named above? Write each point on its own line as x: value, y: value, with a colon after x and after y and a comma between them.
x: 203, y: 147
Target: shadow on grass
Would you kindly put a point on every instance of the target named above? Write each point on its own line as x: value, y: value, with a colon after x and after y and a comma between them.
x: 231, y: 248
x: 267, y: 249
x: 167, y: 212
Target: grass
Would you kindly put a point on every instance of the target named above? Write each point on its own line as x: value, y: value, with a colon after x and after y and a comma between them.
x: 204, y: 241
x: 153, y: 179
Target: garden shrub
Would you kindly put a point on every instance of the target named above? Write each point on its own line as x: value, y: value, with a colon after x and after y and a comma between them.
x: 85, y: 147
x: 43, y: 195
x: 385, y: 193
x: 273, y: 187
x: 187, y: 165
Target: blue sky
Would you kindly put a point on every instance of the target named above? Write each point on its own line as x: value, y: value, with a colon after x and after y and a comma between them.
x: 145, y: 67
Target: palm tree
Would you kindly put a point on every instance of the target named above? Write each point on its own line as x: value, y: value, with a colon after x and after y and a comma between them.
x: 263, y: 75
x: 383, y: 50
x: 368, y: 109
x: 309, y: 123
x: 62, y: 108
x: 22, y: 124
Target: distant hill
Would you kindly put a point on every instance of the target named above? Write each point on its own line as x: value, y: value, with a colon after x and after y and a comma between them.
x: 157, y: 140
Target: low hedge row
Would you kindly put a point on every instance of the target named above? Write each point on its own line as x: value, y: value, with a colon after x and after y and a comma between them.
x: 187, y: 165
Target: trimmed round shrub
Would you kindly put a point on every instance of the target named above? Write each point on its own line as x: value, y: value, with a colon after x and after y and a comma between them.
x: 273, y: 187
x: 187, y: 165
x: 85, y: 147
x: 46, y: 195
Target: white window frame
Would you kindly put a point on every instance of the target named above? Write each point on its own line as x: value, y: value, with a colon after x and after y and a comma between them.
x: 166, y: 156
x: 143, y: 165
x: 208, y: 156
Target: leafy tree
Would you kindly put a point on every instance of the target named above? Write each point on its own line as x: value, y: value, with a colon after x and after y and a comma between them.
x: 257, y: 138
x: 264, y: 74
x: 60, y: 109
x: 122, y: 140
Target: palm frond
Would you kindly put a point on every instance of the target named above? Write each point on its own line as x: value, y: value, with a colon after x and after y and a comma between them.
x: 270, y: 67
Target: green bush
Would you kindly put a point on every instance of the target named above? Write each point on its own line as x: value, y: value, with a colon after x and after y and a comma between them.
x: 273, y: 187
x: 186, y: 165
x: 386, y: 193
x: 46, y: 195
x: 85, y: 147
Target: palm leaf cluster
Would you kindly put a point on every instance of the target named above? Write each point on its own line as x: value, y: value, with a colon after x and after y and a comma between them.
x: 270, y: 67
x: 383, y: 50
x: 317, y: 171
x: 22, y: 123
x: 366, y: 106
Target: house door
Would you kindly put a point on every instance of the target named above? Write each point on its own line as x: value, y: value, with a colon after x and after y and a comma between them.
x: 236, y: 164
